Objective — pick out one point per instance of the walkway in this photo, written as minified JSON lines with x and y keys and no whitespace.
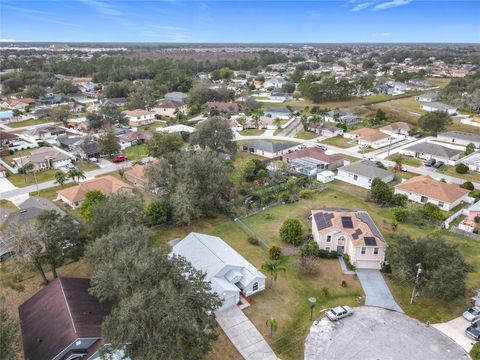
{"x":244,"y":335}
{"x":344,"y":267}
{"x":376,"y":290}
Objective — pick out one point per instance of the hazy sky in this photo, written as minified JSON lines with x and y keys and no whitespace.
{"x":240,"y":21}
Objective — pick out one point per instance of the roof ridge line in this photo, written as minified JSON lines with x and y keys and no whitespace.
{"x":68,"y":306}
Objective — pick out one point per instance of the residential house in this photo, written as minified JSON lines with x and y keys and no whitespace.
{"x":397,"y":128}
{"x":40,"y":112}
{"x":7,"y":138}
{"x":312,"y":160}
{"x":234,"y":124}
{"x":350,"y":232}
{"x":426,"y":150}
{"x":327,"y":130}
{"x":45,"y":132}
{"x":362,"y":173}
{"x":176,"y":96}
{"x":370,"y":137}
{"x":229,"y":273}
{"x":178,"y":128}
{"x":68,"y":142}
{"x":81,"y":105}
{"x":279,"y":95}
{"x":44,"y":158}
{"x":119,"y":101}
{"x":424,"y":189}
{"x":80,"y":123}
{"x":472,"y":161}
{"x":139,"y":117}
{"x":131,"y":138}
{"x":275,"y":83}
{"x":269,"y":149}
{"x":136,"y":175}
{"x":39,"y":203}
{"x":280,"y":112}
{"x":51,"y":100}
{"x":63,"y":321}
{"x":171,"y":108}
{"x":227,"y":107}
{"x":17,"y":104}
{"x":437,"y":106}
{"x":459,"y":138}
{"x":474,"y":211}
{"x":73,"y":196}
{"x":341,"y":116}
{"x":427,"y":97}
{"x":87,"y":148}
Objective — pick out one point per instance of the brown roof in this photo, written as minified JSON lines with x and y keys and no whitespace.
{"x":15,"y":102}
{"x":425,"y":185}
{"x":225,"y":106}
{"x":137,"y":112}
{"x":315,"y":153}
{"x":368,"y":134}
{"x":137,"y":171}
{"x":59,"y":314}
{"x":105,"y":184}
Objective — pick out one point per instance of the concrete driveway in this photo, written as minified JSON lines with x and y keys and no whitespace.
{"x":376,"y":290}
{"x":455,"y":330}
{"x":372,"y":333}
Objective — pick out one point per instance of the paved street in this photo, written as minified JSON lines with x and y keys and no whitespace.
{"x":376,"y":290}
{"x":455,"y":329}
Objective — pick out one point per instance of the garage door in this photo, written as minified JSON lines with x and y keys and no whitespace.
{"x":365,"y":264}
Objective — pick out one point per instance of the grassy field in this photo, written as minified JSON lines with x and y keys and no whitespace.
{"x":338,"y":141}
{"x":85,"y":165}
{"x":347,"y":104}
{"x":441,"y":82}
{"x":405,"y":109}
{"x":407,"y":160}
{"x":51,"y":193}
{"x":252,"y":132}
{"x":7,"y":205}
{"x":306,"y":135}
{"x":136,"y":152}
{"x":28,"y":123}
{"x":450,"y":170}
{"x":21,"y":180}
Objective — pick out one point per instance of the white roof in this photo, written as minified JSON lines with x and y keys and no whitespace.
{"x":176,"y":128}
{"x":475,"y":207}
{"x":326,"y":173}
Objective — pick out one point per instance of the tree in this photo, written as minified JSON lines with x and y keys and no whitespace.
{"x":141,"y":98}
{"x":8,"y":334}
{"x":75,"y":174}
{"x":65,"y":87}
{"x":92,"y":198}
{"x":163,"y":306}
{"x":226,"y":73}
{"x":274,"y":267}
{"x":163,"y":143}
{"x":401,"y":214}
{"x":158,"y":212}
{"x":215,"y":134}
{"x":109,"y":144}
{"x":275,"y":252}
{"x":297,"y":75}
{"x":432,"y":211}
{"x":62,"y":236}
{"x":398,"y":159}
{"x":470,"y":148}
{"x":434,"y":122}
{"x":380,"y":192}
{"x":272,"y":325}
{"x":107,"y":116}
{"x":60,"y":177}
{"x":291,"y":231}
{"x":34,"y":91}
{"x":60,"y":113}
{"x":461,"y":168}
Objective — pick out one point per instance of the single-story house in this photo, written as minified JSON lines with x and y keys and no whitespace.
{"x":275,"y":83}
{"x":139,"y":117}
{"x":459,"y":138}
{"x":63,"y":321}
{"x":176,"y":96}
{"x":350,"y":232}
{"x":73,"y":196}
{"x":472,"y":161}
{"x":327,"y":130}
{"x":426,"y":150}
{"x":87,"y":148}
{"x":119,"y":101}
{"x":170,"y":108}
{"x":136,"y":175}
{"x":280,"y":112}
{"x":280,"y":96}
{"x":44,"y":158}
{"x":437,"y":106}
{"x":40,"y":112}
{"x":269,"y":149}
{"x":234,"y":124}
{"x":51,"y":100}
{"x":68,"y":142}
{"x":369,"y":137}
{"x":81,"y":123}
{"x":325,"y":176}
{"x":341,"y":116}
{"x":130,"y":138}
{"x":427,"y":97}
{"x":264,"y":122}
{"x":424,"y":189}
{"x":178,"y":128}
{"x":17,"y":104}
{"x":228,"y":272}
{"x":397,"y":128}
{"x":228,"y":107}
{"x":7,"y":138}
{"x":312,"y":160}
{"x":474,"y":211}
{"x":362,"y":173}
{"x":45,"y":132}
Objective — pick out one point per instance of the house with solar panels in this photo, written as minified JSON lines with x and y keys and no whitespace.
{"x":350,"y":232}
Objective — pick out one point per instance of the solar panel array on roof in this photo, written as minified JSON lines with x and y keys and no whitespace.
{"x":370,"y":241}
{"x":347,"y":222}
{"x":356,"y":234}
{"x":368,"y":220}
{"x":323,"y":220}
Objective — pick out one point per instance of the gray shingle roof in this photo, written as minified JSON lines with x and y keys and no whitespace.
{"x":366,"y":168}
{"x":268,"y":146}
{"x":434,"y":150}
{"x":461,"y":135}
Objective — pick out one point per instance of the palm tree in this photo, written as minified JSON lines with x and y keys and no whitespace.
{"x":273,"y":325}
{"x":76,"y":173}
{"x":60,"y":178}
{"x":277,"y":122}
{"x":25,"y":169}
{"x":398,"y":159}
{"x":274,"y":267}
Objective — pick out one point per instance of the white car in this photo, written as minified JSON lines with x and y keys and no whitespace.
{"x":472,"y":313}
{"x":303,"y":146}
{"x":339,"y":312}
{"x":70,"y":166}
{"x":92,"y":159}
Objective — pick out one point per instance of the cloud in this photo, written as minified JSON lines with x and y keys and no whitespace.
{"x":7,"y":40}
{"x":103,"y":7}
{"x":361,"y":6}
{"x":391,"y":4}
{"x":167,"y":33}
{"x":382,"y":35}
{"x":38,"y":15}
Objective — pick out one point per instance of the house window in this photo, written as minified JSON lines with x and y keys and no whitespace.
{"x":423,"y":199}
{"x":355,"y":177}
{"x":327,"y":248}
{"x":375,"y":251}
{"x":329,"y":238}
{"x":255,"y":286}
{"x":364,"y":250}
{"x":440,"y":204}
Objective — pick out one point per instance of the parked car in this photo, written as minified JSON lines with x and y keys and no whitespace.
{"x":472,"y":314}
{"x":417,"y":136}
{"x":438,"y":164}
{"x":473,"y":331}
{"x":430,"y":162}
{"x":93,"y":159}
{"x":70,"y":166}
{"x":303,"y":146}
{"x":323,"y":147}
{"x":402,"y":169}
{"x":339,"y":312}
{"x":119,"y":158}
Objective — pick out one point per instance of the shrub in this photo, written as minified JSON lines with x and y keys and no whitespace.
{"x":309,"y":249}
{"x":461,"y":168}
{"x":467,"y":185}
{"x":432,"y":211}
{"x":306,"y":194}
{"x":253,"y":240}
{"x":475,"y":352}
{"x":400,"y":214}
{"x":291,"y":231}
{"x":325,"y":292}
{"x":327,"y":254}
{"x":308,"y":265}
{"x":386,"y":269}
{"x":399,"y":200}
{"x":275,"y":252}
{"x":158,"y":212}
{"x":477,"y":219}
{"x":346,"y":257}
{"x":475,"y":194}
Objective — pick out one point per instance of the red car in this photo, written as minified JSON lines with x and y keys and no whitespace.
{"x":119,"y":158}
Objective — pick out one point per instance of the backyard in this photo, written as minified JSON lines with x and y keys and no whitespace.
{"x":136,"y":152}
{"x":450,"y":170}
{"x":338,"y":141}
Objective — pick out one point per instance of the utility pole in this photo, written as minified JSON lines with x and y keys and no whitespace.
{"x":419,"y":271}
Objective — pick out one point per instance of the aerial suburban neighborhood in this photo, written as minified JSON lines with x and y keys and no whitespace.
{"x":167,"y":199}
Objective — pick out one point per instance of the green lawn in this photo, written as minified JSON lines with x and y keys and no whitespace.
{"x":306,"y":135}
{"x":152,"y":126}
{"x":252,"y":132}
{"x":9,"y":158}
{"x":85,"y":165}
{"x":7,"y":205}
{"x":136,"y":152}
{"x":21,"y":180}
{"x":28,"y":123}
{"x":51,"y":193}
{"x":450,"y":170}
{"x":407,"y":160}
{"x":338,"y":141}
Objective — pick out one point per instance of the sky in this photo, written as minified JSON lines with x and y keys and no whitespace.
{"x":251,"y":21}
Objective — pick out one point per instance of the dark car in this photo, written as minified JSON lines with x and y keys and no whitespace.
{"x":119,"y":158}
{"x":430,"y":162}
{"x":473,"y":331}
{"x":438,"y":164}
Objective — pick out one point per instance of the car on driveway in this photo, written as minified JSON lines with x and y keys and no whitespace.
{"x":473,"y":331}
{"x":119,"y":158}
{"x":70,"y":166}
{"x":438,"y":164}
{"x":472,"y":314}
{"x":430,"y":162}
{"x":339,"y":312}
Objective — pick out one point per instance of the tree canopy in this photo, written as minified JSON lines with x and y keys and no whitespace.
{"x":215,"y":134}
{"x":434,"y":122}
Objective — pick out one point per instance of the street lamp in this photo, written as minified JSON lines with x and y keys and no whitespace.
{"x":312,"y":302}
